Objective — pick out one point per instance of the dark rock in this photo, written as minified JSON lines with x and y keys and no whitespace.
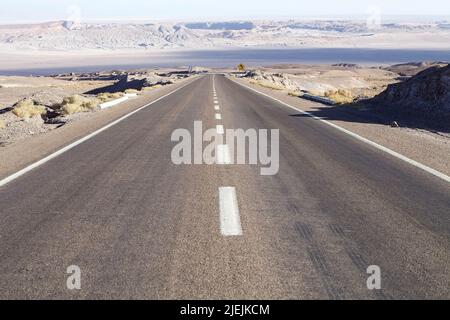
{"x":426,"y":94}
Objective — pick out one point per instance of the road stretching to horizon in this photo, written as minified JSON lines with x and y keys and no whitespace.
{"x":139,"y":226}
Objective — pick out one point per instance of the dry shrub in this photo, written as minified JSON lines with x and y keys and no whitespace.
{"x":77,"y":104}
{"x":131,"y":91}
{"x":295,"y":93}
{"x":2,"y":124}
{"x":27,"y":108}
{"x":152,"y":87}
{"x":105,"y":97}
{"x":340,"y":96}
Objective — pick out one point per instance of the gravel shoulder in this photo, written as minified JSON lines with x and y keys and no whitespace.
{"x":15,"y":156}
{"x":429,"y":148}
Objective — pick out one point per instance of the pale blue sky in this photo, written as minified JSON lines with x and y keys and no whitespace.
{"x":45,"y":10}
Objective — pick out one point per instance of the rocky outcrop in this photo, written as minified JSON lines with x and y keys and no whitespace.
{"x":426,"y":94}
{"x":413,"y":68}
{"x":280,"y":80}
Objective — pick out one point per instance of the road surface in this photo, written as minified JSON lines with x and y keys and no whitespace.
{"x":139,"y":226}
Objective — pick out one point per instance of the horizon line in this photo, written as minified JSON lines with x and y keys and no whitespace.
{"x":234,"y":19}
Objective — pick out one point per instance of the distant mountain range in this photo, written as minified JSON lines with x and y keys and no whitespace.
{"x":68,"y":35}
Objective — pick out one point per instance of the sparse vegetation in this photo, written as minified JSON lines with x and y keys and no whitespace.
{"x":2,"y":124}
{"x":77,"y":104}
{"x":132,"y":91}
{"x":295,"y":93}
{"x":27,"y":108}
{"x":340,"y":96}
{"x":152,"y":87}
{"x":105,"y":97}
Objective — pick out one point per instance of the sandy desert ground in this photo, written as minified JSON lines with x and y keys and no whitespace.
{"x":21,"y":98}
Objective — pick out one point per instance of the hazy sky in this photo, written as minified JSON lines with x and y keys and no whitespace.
{"x":88,"y":10}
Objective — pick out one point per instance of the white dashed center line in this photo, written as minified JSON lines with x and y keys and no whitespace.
{"x":223,"y":154}
{"x":220,"y":129}
{"x":230,"y":221}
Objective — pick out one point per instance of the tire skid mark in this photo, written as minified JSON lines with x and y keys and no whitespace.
{"x":304,"y":230}
{"x":360,"y":261}
{"x":293,"y":208}
{"x":357,"y":259}
{"x":337,"y":230}
{"x":320,"y":264}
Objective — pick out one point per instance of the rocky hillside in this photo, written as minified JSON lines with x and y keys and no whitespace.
{"x":426,"y":94}
{"x":412,"y":68}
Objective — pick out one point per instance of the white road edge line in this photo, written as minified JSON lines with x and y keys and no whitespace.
{"x":358,"y":137}
{"x":220,"y":129}
{"x":223,"y":154}
{"x":80,"y":141}
{"x":113,"y":103}
{"x":218,"y":116}
{"x":230,"y":221}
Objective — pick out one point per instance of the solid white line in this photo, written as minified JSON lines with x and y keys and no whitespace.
{"x":80,"y":141}
{"x":223,"y":154}
{"x":216,"y":107}
{"x":358,"y":137}
{"x":230,"y":221}
{"x":113,"y":103}
{"x":218,"y":116}
{"x":220,"y":129}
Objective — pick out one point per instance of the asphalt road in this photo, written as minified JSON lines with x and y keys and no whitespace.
{"x":139,"y":226}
